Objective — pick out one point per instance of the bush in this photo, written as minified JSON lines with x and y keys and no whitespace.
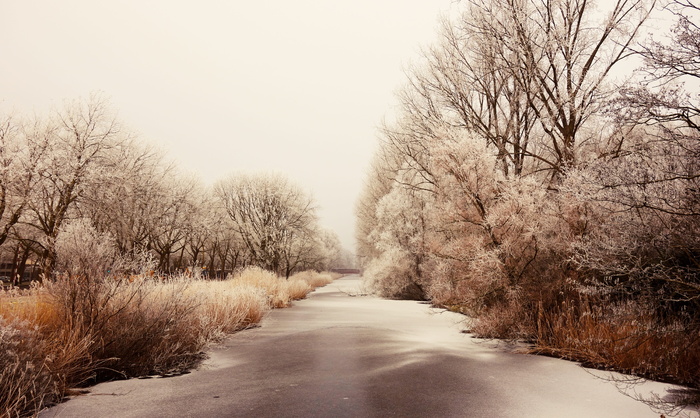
{"x":393,"y":275}
{"x":282,"y":291}
{"x":600,"y":265}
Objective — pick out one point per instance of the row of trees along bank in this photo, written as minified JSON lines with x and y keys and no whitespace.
{"x":80,"y":164}
{"x":532,"y":182}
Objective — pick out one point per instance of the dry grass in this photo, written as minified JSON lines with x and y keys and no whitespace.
{"x":315,"y":279}
{"x":298,"y":289}
{"x":225,"y":307}
{"x":75,"y":331}
{"x":504,"y":320}
{"x":25,"y":380}
{"x":623,"y":337}
{"x":281,"y":292}
{"x":274,"y":287}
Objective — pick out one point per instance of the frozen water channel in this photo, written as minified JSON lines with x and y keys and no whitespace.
{"x":340,"y":354}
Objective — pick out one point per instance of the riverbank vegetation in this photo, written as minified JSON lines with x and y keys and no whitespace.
{"x":81,"y":329}
{"x":533,"y":182}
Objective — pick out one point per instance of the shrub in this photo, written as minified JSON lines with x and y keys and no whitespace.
{"x":393,"y":275}
{"x":280,"y":291}
{"x":298,"y":288}
{"x":149,"y":328}
{"x":53,"y":340}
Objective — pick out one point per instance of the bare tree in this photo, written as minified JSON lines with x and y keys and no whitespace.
{"x":123,"y":202}
{"x":21,"y":148}
{"x":525,"y":75}
{"x":200,"y":230}
{"x":175,"y":212}
{"x":469,"y":82}
{"x":649,"y":187}
{"x":273,"y":217}
{"x":568,"y":53}
{"x":224,"y":245}
{"x":79,"y":138}
{"x":670,"y":66}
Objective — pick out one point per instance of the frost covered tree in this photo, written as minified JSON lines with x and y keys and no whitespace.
{"x":519,"y":186}
{"x":123,"y":203}
{"x":78,"y":139}
{"x":21,"y":147}
{"x":79,"y":165}
{"x":647,"y":186}
{"x":200,"y":231}
{"x":176,"y":211}
{"x":668,"y":91}
{"x":330,"y":250}
{"x":468,"y":81}
{"x":225,"y":246}
{"x":378,"y":182}
{"x":274,"y":218}
{"x":399,"y":236}
{"x":526,"y":76}
{"x":145,"y":204}
{"x":508,"y":102}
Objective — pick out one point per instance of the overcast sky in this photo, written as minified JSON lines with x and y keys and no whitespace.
{"x":297,"y":87}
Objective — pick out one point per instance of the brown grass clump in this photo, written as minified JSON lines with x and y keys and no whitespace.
{"x":274,"y":287}
{"x":252,"y":305}
{"x":313,"y":278}
{"x":149,"y":328}
{"x":225,"y":307}
{"x":281,"y":292}
{"x":622,"y":336}
{"x":43,"y":358}
{"x":504,"y":320}
{"x":25,"y":379}
{"x":298,"y":289}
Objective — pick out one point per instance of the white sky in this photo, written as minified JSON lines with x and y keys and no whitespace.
{"x":298,"y":87}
